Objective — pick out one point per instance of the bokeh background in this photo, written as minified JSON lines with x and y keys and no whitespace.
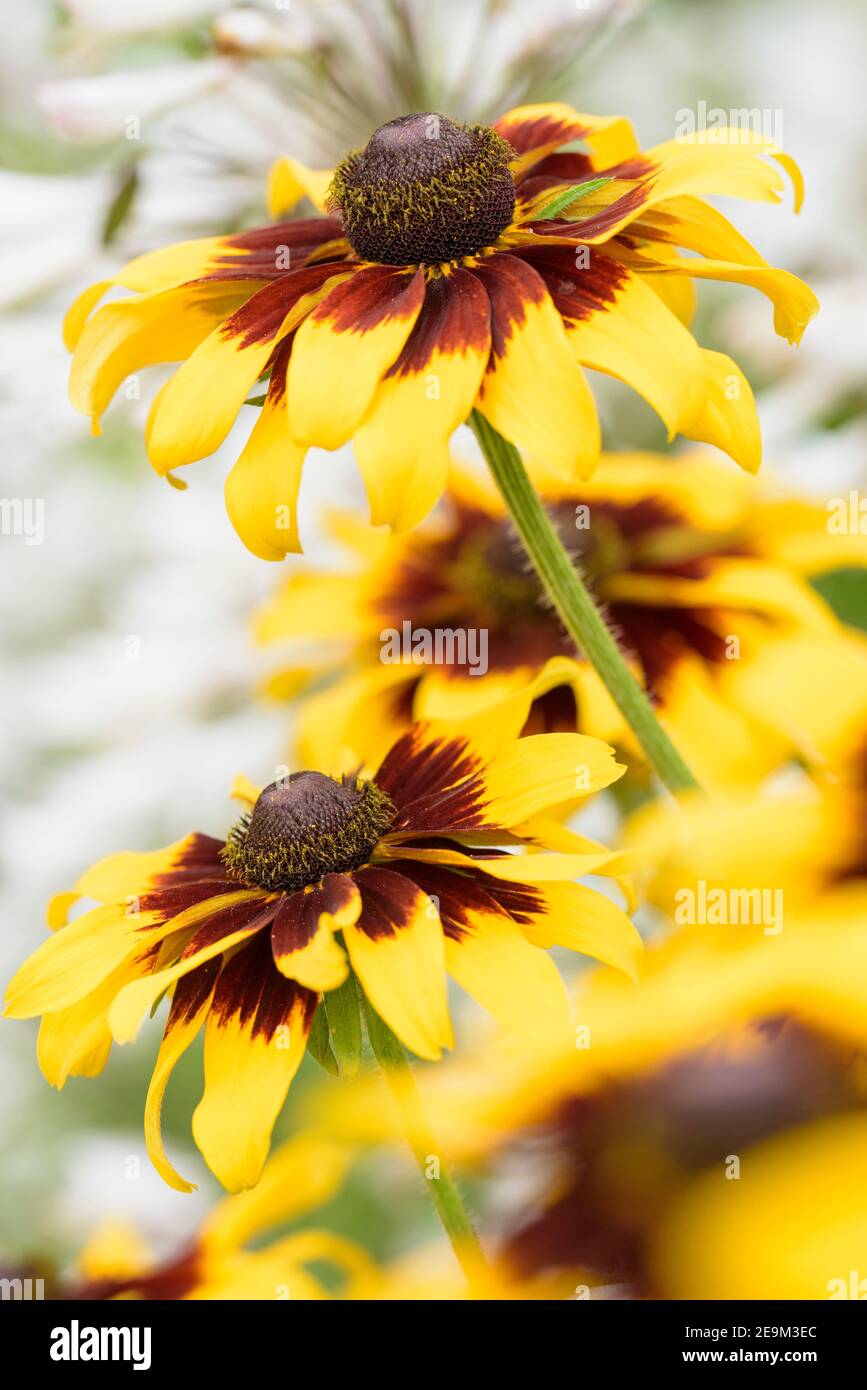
{"x":130,"y":676}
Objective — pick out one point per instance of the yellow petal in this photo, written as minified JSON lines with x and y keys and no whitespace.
{"x":198,"y":407}
{"x":190,"y":1004}
{"x":262,"y":488}
{"x":580,"y":919}
{"x":302,"y":1174}
{"x":728,"y":418}
{"x":397,"y":951}
{"x":255,"y":1038}
{"x":130,"y":1007}
{"x":402,"y":445}
{"x":534,"y":392}
{"x":343,"y":349}
{"x":544,"y":770}
{"x":289,"y":181}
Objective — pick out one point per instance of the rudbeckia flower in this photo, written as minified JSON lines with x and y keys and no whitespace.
{"x":410,"y":866}
{"x":698,"y":572}
{"x":670,"y":1155}
{"x":455,"y":267}
{"x":218,"y":1263}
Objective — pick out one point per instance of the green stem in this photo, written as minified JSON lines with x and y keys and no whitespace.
{"x":576,"y":608}
{"x":444,"y":1193}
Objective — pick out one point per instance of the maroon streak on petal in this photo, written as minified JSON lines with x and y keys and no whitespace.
{"x":200,"y":858}
{"x":532,"y":132}
{"x":297,"y":918}
{"x":375,"y":295}
{"x":177,"y":897}
{"x":455,"y":317}
{"x":256,"y":914}
{"x":192,"y":992}
{"x":251,"y":992}
{"x":520,"y":900}
{"x":260,"y":318}
{"x":556,"y":168}
{"x":511,"y":285}
{"x":457,"y":894}
{"x":389,"y":902}
{"x":578,"y":292}
{"x":420,"y":766}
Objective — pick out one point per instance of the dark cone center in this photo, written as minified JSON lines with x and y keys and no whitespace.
{"x":304,"y":827}
{"x":425,"y":191}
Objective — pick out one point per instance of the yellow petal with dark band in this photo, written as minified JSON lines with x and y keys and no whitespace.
{"x":489,"y":957}
{"x":402,"y":445}
{"x":397,"y":952}
{"x":534,"y":392}
{"x":343,"y":349}
{"x":262,"y":488}
{"x":616,"y":325}
{"x":123,"y":337}
{"x":132,"y":1004}
{"x":199,"y":405}
{"x":535,"y":131}
{"x":255,"y":1039}
{"x":190,"y":1004}
{"x":302,"y":934}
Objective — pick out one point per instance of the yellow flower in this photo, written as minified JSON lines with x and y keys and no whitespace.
{"x":796,"y":844}
{"x":457,"y":266}
{"x":700,"y":574}
{"x":218,"y":1263}
{"x":704,"y":1139}
{"x":411,"y":866}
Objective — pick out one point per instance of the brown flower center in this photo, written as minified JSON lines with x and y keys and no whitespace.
{"x":304,"y":827}
{"x":424,"y":190}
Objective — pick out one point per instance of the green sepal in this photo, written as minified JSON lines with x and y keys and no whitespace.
{"x":343,"y":1007}
{"x":319,"y":1043}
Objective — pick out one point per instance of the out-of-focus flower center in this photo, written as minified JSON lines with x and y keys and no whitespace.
{"x":424,"y":190}
{"x":305,"y":826}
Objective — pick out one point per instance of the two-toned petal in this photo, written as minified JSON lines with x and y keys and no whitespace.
{"x":534,"y":391}
{"x":537,"y":130}
{"x":402,"y":445}
{"x":302,"y":933}
{"x":190,"y":1003}
{"x":199,"y":405}
{"x":397,"y":951}
{"x":255,"y":1037}
{"x":262,"y":488}
{"x":350,"y":340}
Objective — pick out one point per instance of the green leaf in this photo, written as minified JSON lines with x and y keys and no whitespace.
{"x":318,"y":1043}
{"x":567,"y":196}
{"x":257,"y":400}
{"x":846,"y":592}
{"x":120,"y":207}
{"x":343,"y":1007}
